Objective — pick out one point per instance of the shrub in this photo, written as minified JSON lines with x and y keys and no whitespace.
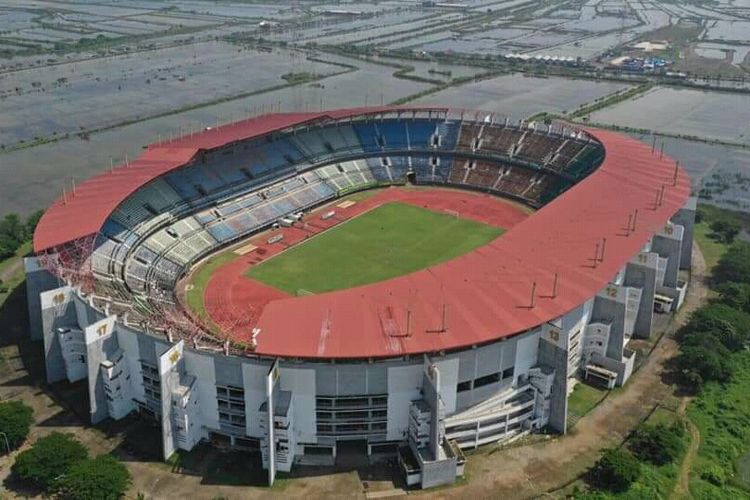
{"x":708,"y":363}
{"x":725,"y":229}
{"x":15,"y":421}
{"x":616,"y":470}
{"x":659,"y":444}
{"x":103,"y":477}
{"x":735,"y":295}
{"x":734,"y":265}
{"x":49,"y":458}
{"x":728,"y":324}
{"x":714,"y":474}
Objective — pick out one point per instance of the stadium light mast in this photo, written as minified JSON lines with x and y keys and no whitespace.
{"x":596,"y":255}
{"x":555,"y":283}
{"x":408,"y":322}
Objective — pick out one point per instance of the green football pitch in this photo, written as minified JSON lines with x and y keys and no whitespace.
{"x":388,"y":241}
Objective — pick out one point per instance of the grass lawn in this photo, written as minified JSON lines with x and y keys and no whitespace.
{"x":388,"y":241}
{"x":663,"y":416}
{"x":10,"y":280}
{"x":722,"y":414}
{"x":711,"y":247}
{"x":582,"y":400}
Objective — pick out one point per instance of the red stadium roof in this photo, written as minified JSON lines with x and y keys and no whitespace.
{"x":487,"y":293}
{"x":83,"y":212}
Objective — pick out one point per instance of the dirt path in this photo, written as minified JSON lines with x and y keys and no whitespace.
{"x":533,"y":470}
{"x":11,"y":270}
{"x":682,"y":487}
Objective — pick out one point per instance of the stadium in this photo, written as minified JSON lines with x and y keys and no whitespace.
{"x":404,"y":281}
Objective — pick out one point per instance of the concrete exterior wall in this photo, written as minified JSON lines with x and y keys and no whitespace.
{"x":171,"y":364}
{"x":556,"y":358}
{"x":38,"y":280}
{"x":668,"y":244}
{"x":685,"y":217}
{"x":100,"y":344}
{"x":641,"y":273}
{"x":438,"y":473}
{"x":609,"y":307}
{"x":301,"y":382}
{"x":203,"y":369}
{"x":404,"y":386}
{"x":57,"y":311}
{"x":127,"y":339}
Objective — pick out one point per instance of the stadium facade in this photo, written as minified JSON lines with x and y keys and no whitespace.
{"x":555,"y":299}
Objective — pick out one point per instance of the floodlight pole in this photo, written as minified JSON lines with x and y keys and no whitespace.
{"x":596,"y":255}
{"x":554,"y":285}
{"x":445,"y":317}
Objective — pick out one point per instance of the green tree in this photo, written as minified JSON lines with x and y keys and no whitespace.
{"x":725,"y":229}
{"x":15,"y":421}
{"x":31,"y":223}
{"x":616,"y":470}
{"x":709,"y":364}
{"x":659,"y":444}
{"x":735,"y":295}
{"x":48,"y":459}
{"x":734,"y":265}
{"x":12,"y":228}
{"x":731,"y":326}
{"x":100,"y":478}
{"x":8,"y":246}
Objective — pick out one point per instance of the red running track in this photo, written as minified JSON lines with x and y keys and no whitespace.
{"x":234,"y":302}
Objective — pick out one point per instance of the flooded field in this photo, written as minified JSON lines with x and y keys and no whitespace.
{"x":518,"y":96}
{"x":713,"y":115}
{"x":723,"y":173}
{"x":33,"y":177}
{"x":76,"y":73}
{"x":74,"y":98}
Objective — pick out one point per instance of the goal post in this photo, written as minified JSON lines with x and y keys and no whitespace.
{"x":453,"y":213}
